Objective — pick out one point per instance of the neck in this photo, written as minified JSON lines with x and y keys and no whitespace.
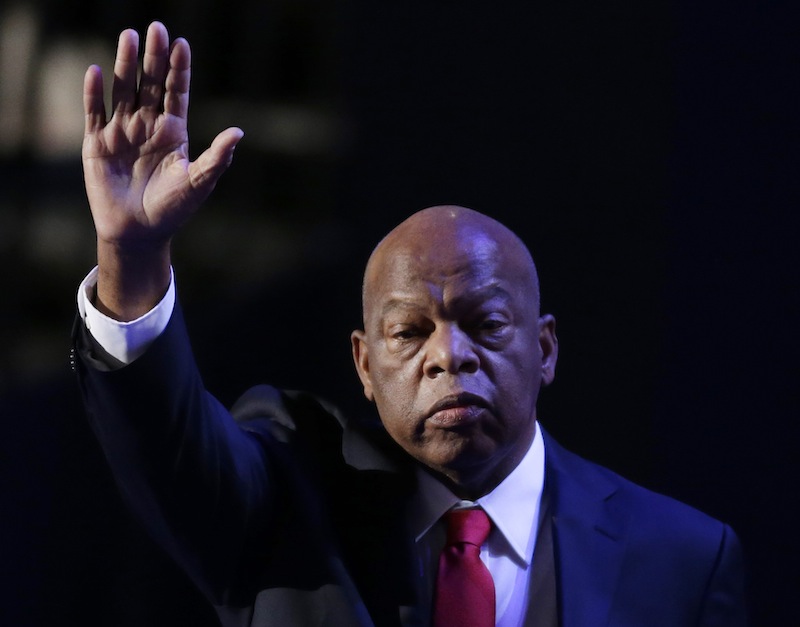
{"x":472,"y":482}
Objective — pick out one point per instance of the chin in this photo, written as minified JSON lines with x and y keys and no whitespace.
{"x":462,"y":462}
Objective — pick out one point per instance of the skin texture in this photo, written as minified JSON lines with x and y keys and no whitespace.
{"x":140,"y":182}
{"x":453,"y":350}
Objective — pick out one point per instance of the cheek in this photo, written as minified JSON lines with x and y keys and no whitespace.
{"x":400,"y":426}
{"x":394,"y":399}
{"x":526,"y":358}
{"x":518,"y":378}
{"x":395,"y":379}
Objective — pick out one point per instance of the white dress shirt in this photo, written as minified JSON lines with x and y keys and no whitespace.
{"x":513,"y":506}
{"x":124,"y":340}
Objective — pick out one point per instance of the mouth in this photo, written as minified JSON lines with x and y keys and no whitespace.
{"x":457,"y":410}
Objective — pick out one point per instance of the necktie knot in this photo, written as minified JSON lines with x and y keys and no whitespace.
{"x":470,"y":526}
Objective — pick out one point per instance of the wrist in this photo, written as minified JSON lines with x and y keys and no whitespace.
{"x":132,"y":279}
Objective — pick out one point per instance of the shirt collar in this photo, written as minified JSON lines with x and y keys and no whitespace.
{"x":513,"y":505}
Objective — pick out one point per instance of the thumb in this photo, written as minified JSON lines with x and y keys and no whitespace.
{"x":204,"y":172}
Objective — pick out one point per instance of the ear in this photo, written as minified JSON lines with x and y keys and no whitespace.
{"x":358,"y":340}
{"x":548,"y":345}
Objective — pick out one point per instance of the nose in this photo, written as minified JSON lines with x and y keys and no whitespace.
{"x":449,"y":350}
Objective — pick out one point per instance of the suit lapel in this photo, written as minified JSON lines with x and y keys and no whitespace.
{"x":588,"y":529}
{"x":588,"y":536}
{"x":542,"y":596}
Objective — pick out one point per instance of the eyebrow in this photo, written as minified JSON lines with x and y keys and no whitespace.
{"x":397,"y":303}
{"x":485,"y":294}
{"x":482,"y":295}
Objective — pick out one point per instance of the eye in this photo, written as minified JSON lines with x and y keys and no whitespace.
{"x":492,"y":330}
{"x":491,"y":324}
{"x":405,"y":334}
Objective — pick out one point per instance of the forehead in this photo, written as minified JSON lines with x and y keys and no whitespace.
{"x":457,"y":265}
{"x":441,"y":259}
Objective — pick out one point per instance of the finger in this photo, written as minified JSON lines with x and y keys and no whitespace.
{"x":93,"y":106}
{"x":123,"y":92}
{"x":209,"y":166}
{"x":154,"y":66}
{"x":176,"y":99}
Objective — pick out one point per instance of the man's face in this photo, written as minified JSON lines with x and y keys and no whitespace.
{"x":454,"y":353}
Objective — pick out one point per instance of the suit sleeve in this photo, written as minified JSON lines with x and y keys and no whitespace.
{"x":724,"y":601}
{"x":202,"y":486}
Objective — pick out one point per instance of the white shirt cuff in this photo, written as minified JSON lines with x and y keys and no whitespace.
{"x":125,"y":341}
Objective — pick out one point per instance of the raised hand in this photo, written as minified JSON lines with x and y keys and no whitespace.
{"x":140,"y":182}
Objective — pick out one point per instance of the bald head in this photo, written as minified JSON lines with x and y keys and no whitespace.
{"x":454,"y":350}
{"x":427,"y":235}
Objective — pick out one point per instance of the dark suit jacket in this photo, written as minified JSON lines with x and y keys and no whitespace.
{"x":289,"y":515}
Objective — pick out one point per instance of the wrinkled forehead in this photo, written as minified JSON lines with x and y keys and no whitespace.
{"x":459,"y":256}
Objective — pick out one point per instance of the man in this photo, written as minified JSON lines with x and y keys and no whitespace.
{"x":292,"y":515}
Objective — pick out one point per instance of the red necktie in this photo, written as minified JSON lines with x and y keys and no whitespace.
{"x":464,"y":587}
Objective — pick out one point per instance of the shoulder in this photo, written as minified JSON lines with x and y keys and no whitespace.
{"x":645,"y":514}
{"x":311,"y":425}
{"x":299,"y":420}
{"x":666,"y":558}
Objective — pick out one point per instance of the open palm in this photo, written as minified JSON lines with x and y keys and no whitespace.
{"x":140,"y":182}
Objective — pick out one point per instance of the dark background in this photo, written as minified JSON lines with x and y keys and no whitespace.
{"x":646,"y":152}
